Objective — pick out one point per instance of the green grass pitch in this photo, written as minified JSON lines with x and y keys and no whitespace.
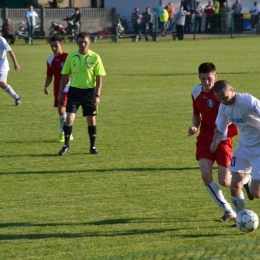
{"x":143,"y":197}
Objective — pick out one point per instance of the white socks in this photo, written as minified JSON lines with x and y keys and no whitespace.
{"x":217,"y":195}
{"x":9,"y":90}
{"x":239,"y":202}
{"x":62,"y":122}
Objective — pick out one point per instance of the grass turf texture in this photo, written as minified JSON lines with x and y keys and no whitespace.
{"x":143,"y":197}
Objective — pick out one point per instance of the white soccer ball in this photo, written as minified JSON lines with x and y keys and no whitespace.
{"x":247,"y":220}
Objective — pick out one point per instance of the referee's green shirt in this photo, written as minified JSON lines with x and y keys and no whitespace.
{"x":83,"y":69}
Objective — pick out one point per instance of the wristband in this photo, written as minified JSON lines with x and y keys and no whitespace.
{"x":97,"y":95}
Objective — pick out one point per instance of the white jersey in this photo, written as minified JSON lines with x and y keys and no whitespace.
{"x":245,"y":114}
{"x":4,"y":48}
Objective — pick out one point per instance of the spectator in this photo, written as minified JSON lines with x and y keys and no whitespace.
{"x":31,"y":17}
{"x":164,"y":20}
{"x":224,"y":10}
{"x":170,"y":23}
{"x":158,"y":10}
{"x":147,"y":22}
{"x":136,"y":20}
{"x":7,"y":31}
{"x":237,"y":8}
{"x":209,"y":12}
{"x":76,"y":20}
{"x":198,"y":17}
{"x":187,"y":26}
{"x":180,"y":22}
{"x":216,"y":19}
{"x":254,"y":11}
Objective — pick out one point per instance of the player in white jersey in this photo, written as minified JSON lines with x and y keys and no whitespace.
{"x":243,"y":110}
{"x":4,"y":68}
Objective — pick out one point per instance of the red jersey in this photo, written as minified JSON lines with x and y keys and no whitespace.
{"x":54,"y":67}
{"x":209,"y":11}
{"x":206,"y":104}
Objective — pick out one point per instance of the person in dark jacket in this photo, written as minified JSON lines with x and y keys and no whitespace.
{"x":7,"y":31}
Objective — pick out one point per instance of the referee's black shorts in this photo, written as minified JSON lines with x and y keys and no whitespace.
{"x":81,"y":97}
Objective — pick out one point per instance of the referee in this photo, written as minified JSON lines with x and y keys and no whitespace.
{"x":86,"y":70}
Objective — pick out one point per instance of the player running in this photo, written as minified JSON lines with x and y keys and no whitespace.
{"x":243,"y":110}
{"x":205,"y":110}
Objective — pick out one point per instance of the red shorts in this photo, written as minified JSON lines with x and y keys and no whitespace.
{"x":222,"y":155}
{"x":65,"y":99}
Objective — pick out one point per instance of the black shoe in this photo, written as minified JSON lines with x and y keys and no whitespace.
{"x":65,"y":150}
{"x":228,"y":217}
{"x":18,"y":101}
{"x":249,"y":195}
{"x":93,"y":150}
{"x":233,"y":226}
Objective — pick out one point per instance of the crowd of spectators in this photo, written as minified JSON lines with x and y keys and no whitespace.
{"x":188,"y":19}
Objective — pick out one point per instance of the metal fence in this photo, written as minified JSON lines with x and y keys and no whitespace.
{"x":92,"y":19}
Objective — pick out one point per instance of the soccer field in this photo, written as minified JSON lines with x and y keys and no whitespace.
{"x":142,"y":197}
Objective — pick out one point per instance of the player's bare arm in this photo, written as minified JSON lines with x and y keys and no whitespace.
{"x":196,"y":123}
{"x":98,"y":90}
{"x":47,"y":84}
{"x":218,"y":136}
{"x":63,"y":82}
{"x":13,"y":57}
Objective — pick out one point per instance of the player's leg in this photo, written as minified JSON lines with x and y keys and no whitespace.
{"x":90,"y":111}
{"x":237,"y":195}
{"x":8,"y":89}
{"x":213,"y":189}
{"x":71,"y":109}
{"x":92,"y":132}
{"x":254,"y":186}
{"x":240,"y":168}
{"x":62,"y":120}
{"x":68,"y":126}
{"x":223,"y":158}
{"x":224,"y":176}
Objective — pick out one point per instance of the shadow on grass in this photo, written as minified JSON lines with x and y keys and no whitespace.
{"x":102,"y":170}
{"x":177,"y":74}
{"x":101,"y":233}
{"x":78,"y":235}
{"x":95,"y":223}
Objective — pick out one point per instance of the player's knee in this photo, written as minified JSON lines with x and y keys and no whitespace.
{"x":224,"y":182}
{"x":207,"y":178}
{"x":235,"y":190}
{"x":255,"y":194}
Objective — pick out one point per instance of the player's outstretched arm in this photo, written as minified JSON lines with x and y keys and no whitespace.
{"x":218,"y":136}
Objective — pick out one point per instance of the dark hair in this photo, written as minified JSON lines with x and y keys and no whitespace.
{"x":221,"y":85}
{"x":56,"y":38}
{"x":207,"y":67}
{"x":83,"y":35}
{"x":76,"y":9}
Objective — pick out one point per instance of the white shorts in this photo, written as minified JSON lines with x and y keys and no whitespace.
{"x":3,"y":76}
{"x":243,"y":162}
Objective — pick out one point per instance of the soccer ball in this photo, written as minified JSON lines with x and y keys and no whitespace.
{"x":247,"y":220}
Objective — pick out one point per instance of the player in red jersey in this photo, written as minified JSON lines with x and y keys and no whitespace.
{"x":205,"y":110}
{"x":55,"y":63}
